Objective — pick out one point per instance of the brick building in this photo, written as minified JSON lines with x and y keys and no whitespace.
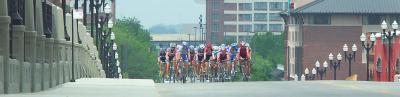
{"x":321,"y":27}
{"x":242,"y":18}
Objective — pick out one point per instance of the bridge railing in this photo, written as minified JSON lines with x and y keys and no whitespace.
{"x":36,"y":47}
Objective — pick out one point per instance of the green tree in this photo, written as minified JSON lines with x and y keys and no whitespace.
{"x":133,"y":41}
{"x":268,"y":51}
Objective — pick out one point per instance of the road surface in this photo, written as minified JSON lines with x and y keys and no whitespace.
{"x":101,"y":87}
{"x":282,"y":89}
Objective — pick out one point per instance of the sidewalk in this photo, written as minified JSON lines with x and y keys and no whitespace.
{"x":99,"y":87}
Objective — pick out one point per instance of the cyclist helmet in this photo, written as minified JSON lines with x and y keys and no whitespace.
{"x":242,"y":43}
{"x":184,"y":43}
{"x":172,"y":44}
{"x":222,"y":46}
{"x":201,"y":46}
{"x":191,"y":47}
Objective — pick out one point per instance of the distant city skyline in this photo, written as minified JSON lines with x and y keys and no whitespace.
{"x":165,"y":12}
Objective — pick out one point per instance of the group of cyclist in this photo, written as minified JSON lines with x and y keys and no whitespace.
{"x":203,"y":62}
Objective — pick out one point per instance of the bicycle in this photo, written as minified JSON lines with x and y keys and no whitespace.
{"x":245,"y":67}
{"x":163,"y":67}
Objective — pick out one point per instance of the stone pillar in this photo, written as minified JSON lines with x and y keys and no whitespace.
{"x":57,"y":32}
{"x":15,"y":74}
{"x":30,"y":47}
{"x":49,"y":59}
{"x":4,"y":41}
{"x":38,"y":79}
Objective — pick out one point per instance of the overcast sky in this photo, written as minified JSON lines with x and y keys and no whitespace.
{"x":167,"y":12}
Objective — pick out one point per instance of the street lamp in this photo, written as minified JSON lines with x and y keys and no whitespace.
{"x":308,"y":75}
{"x":350,"y":56}
{"x":390,"y":35}
{"x":367,"y":47}
{"x":321,"y":71}
{"x":112,"y":36}
{"x":334,"y":63}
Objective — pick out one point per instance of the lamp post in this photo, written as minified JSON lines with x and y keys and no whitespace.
{"x":350,"y":56}
{"x":115,"y":55}
{"x":321,"y":71}
{"x":367,"y":48}
{"x":335,"y":63}
{"x":310,"y":76}
{"x":389,"y":35}
{"x":195,"y":35}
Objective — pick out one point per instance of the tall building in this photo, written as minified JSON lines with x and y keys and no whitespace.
{"x":243,"y":18}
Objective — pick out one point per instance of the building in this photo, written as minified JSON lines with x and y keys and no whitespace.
{"x":243,"y":18}
{"x":320,"y":27}
{"x":163,"y":40}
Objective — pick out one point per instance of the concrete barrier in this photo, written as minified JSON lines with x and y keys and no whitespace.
{"x":37,"y":78}
{"x":26,"y":77}
{"x":66,"y":72}
{"x":1,"y":75}
{"x":61,"y":72}
{"x":53,"y":75}
{"x":46,"y":76}
{"x":13,"y":77}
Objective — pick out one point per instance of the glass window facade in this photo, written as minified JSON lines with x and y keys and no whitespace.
{"x":276,"y":6}
{"x":230,"y":28}
{"x":275,"y":27}
{"x":245,"y":28}
{"x":260,"y":27}
{"x":245,"y":6}
{"x":260,"y":17}
{"x":320,"y":20}
{"x":260,"y":5}
{"x":215,"y":28}
{"x":275,"y":17}
{"x":230,"y":6}
{"x":245,"y":17}
{"x":230,"y":17}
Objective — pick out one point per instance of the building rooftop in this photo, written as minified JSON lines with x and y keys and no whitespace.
{"x":351,"y":7}
{"x":173,"y":37}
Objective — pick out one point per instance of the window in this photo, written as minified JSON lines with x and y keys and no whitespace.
{"x":230,"y":28}
{"x":245,"y":17}
{"x":215,"y":28}
{"x":320,"y":19}
{"x":372,"y":20}
{"x":274,"y":17}
{"x":216,"y":5}
{"x":245,"y":6}
{"x":275,"y":27}
{"x":230,"y":6}
{"x":260,"y":28}
{"x":260,"y":5}
{"x":245,"y":28}
{"x":285,"y":6}
{"x":276,"y":6}
{"x":260,"y":16}
{"x":215,"y":17}
{"x":230,"y":17}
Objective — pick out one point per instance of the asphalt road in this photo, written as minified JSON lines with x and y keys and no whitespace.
{"x":102,"y":87}
{"x":281,"y":89}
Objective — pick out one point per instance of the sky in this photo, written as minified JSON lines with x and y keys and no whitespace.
{"x":166,"y":12}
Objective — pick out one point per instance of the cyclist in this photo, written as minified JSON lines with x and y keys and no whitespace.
{"x":222,"y":59}
{"x":162,"y":57}
{"x":171,"y":53}
{"x":244,"y":56}
{"x":208,"y":54}
{"x":233,"y":50}
{"x":200,"y":57}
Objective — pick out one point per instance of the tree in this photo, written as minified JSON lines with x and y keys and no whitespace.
{"x":134,"y":48}
{"x":268,"y":51}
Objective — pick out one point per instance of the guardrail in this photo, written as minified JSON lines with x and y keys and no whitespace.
{"x":34,"y":52}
